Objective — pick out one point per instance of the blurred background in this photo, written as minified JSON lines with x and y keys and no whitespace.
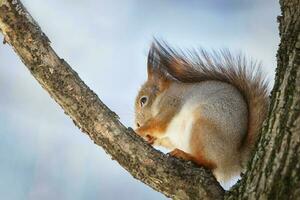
{"x":42,"y":154}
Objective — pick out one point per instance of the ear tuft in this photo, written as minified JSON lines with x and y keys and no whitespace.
{"x":157,"y":72}
{"x":165,"y":61}
{"x":155,"y":67}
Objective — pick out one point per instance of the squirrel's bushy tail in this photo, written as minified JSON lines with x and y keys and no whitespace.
{"x":199,"y":65}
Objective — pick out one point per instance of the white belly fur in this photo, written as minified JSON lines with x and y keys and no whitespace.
{"x":179,"y":129}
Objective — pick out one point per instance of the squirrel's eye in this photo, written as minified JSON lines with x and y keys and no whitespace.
{"x":143,"y":101}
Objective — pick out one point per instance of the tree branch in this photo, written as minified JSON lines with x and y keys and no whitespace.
{"x":101,"y":124}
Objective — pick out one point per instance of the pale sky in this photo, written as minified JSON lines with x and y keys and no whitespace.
{"x":42,"y":154}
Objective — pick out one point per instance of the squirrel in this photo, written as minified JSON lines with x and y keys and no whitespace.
{"x":207,"y":108}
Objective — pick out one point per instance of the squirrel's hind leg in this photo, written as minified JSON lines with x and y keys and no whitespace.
{"x":189,"y":157}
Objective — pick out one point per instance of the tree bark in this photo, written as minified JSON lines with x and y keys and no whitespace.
{"x":273,"y":172}
{"x":154,"y":168}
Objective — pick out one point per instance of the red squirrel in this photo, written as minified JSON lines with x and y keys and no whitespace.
{"x":205,"y":107}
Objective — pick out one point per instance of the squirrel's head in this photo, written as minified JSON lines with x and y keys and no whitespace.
{"x":158,"y":81}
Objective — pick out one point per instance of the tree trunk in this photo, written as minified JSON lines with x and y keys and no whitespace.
{"x":274,"y":171}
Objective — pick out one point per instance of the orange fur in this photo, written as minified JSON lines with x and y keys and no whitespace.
{"x":201,"y":128}
{"x":156,"y":126}
{"x":198,"y":159}
{"x":152,"y":126}
{"x":164,"y":84}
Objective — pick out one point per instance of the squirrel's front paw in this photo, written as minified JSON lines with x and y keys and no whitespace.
{"x":181,"y":154}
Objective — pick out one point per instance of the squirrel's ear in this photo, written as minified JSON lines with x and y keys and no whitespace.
{"x":156,"y":71}
{"x":154,"y":67}
{"x":163,"y":61}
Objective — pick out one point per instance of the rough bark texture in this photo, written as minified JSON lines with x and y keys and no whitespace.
{"x":274,"y":172}
{"x":102,"y":125}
